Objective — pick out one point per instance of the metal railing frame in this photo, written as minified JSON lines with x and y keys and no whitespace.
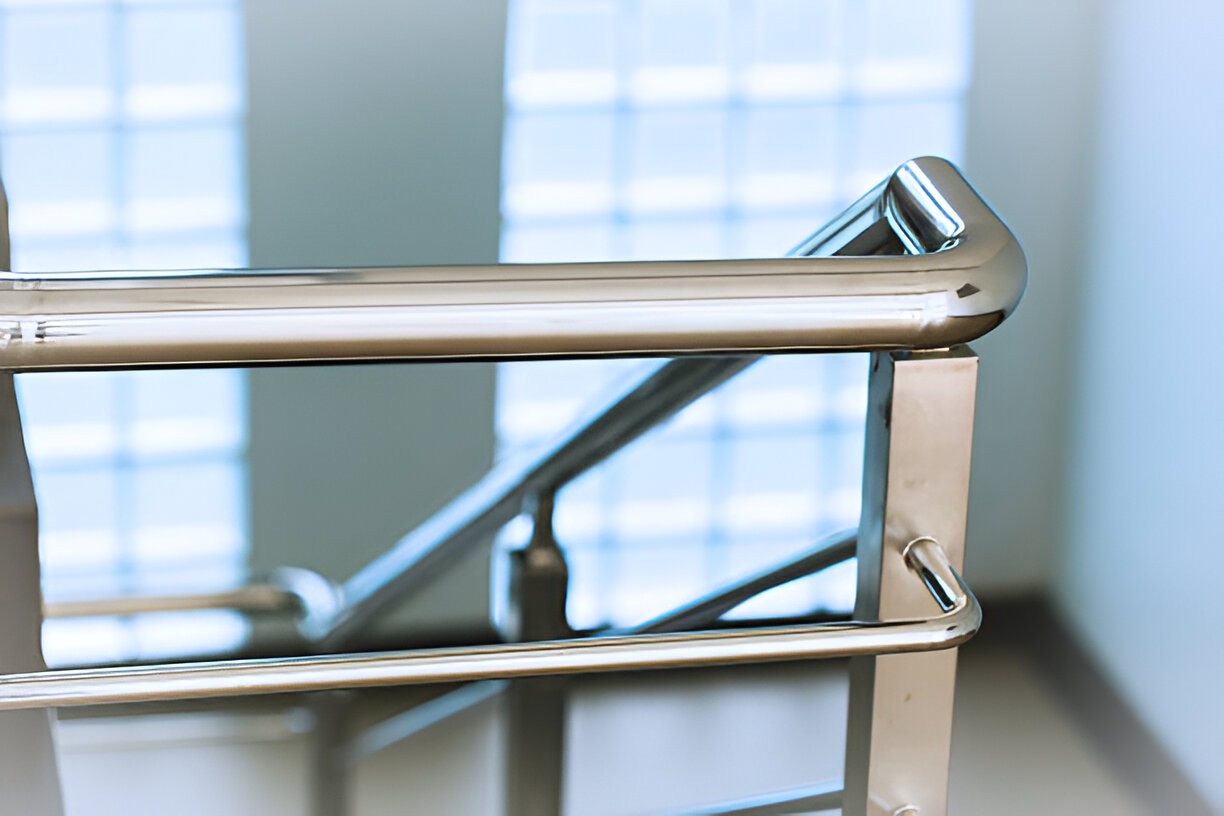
{"x":913,"y":270}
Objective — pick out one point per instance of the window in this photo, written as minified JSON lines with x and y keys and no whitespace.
{"x":665,"y":129}
{"x":121,"y":148}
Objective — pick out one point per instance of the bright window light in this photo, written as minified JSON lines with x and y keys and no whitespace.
{"x":711,"y":129}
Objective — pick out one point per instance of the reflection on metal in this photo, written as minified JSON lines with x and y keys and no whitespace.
{"x":832,"y":550}
{"x":622,"y":653}
{"x":967,"y":279}
{"x":795,"y":800}
{"x":915,"y":484}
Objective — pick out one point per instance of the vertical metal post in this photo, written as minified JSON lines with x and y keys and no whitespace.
{"x":535,"y":708}
{"x":915,"y":483}
{"x":329,"y":772}
{"x":29,"y":773}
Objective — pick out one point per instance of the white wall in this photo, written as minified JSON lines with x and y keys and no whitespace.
{"x":1029,"y":133}
{"x":1146,"y":451}
{"x":360,"y":155}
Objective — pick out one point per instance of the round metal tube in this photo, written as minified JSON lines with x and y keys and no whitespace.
{"x":967,"y":276}
{"x":635,"y":652}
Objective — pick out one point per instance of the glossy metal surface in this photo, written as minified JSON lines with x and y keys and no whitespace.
{"x":915,"y":484}
{"x":967,"y":278}
{"x":626,"y":653}
{"x":256,"y":598}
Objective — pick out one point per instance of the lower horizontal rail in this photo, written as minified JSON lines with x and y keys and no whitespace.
{"x":957,"y":623}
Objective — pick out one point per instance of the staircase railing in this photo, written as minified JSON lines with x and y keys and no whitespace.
{"x":911,"y":272}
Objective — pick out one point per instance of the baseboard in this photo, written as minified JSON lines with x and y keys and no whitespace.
{"x":1031,"y":629}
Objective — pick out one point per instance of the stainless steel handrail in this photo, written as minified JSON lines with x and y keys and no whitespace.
{"x":957,"y":623}
{"x":302,"y":592}
{"x":253,"y":598}
{"x":968,"y":276}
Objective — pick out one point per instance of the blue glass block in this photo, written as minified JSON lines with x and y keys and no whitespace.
{"x":186,"y":412}
{"x":657,"y":467}
{"x":889,"y":133}
{"x":183,"y":62}
{"x":914,"y":47}
{"x":80,"y":641}
{"x":57,"y":66}
{"x":653,"y":580}
{"x":188,"y":513}
{"x":840,"y":478}
{"x":794,"y":49}
{"x":680,"y":51}
{"x":202,"y":576}
{"x":557,"y":243}
{"x":67,"y":585}
{"x":581,"y":516}
{"x":772,"y":236}
{"x":665,"y":240}
{"x":70,"y":254}
{"x":678,"y":162}
{"x":67,"y":397}
{"x":209,"y":250}
{"x":770,"y":485}
{"x":580,"y":381}
{"x":790,"y":158}
{"x":200,"y":632}
{"x":185,"y":179}
{"x":558,"y":165}
{"x":80,"y":523}
{"x":561,"y":53}
{"x":59,"y":184}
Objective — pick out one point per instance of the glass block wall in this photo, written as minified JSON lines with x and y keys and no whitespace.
{"x":121,"y":148}
{"x":656,"y":129}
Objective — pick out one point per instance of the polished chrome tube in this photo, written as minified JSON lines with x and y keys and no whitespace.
{"x":626,"y":653}
{"x":295,"y":590}
{"x":967,"y":276}
{"x":833,"y":549}
{"x":613,"y":422}
{"x":256,"y":598}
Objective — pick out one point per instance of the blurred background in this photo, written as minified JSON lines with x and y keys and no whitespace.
{"x":164,"y":134}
